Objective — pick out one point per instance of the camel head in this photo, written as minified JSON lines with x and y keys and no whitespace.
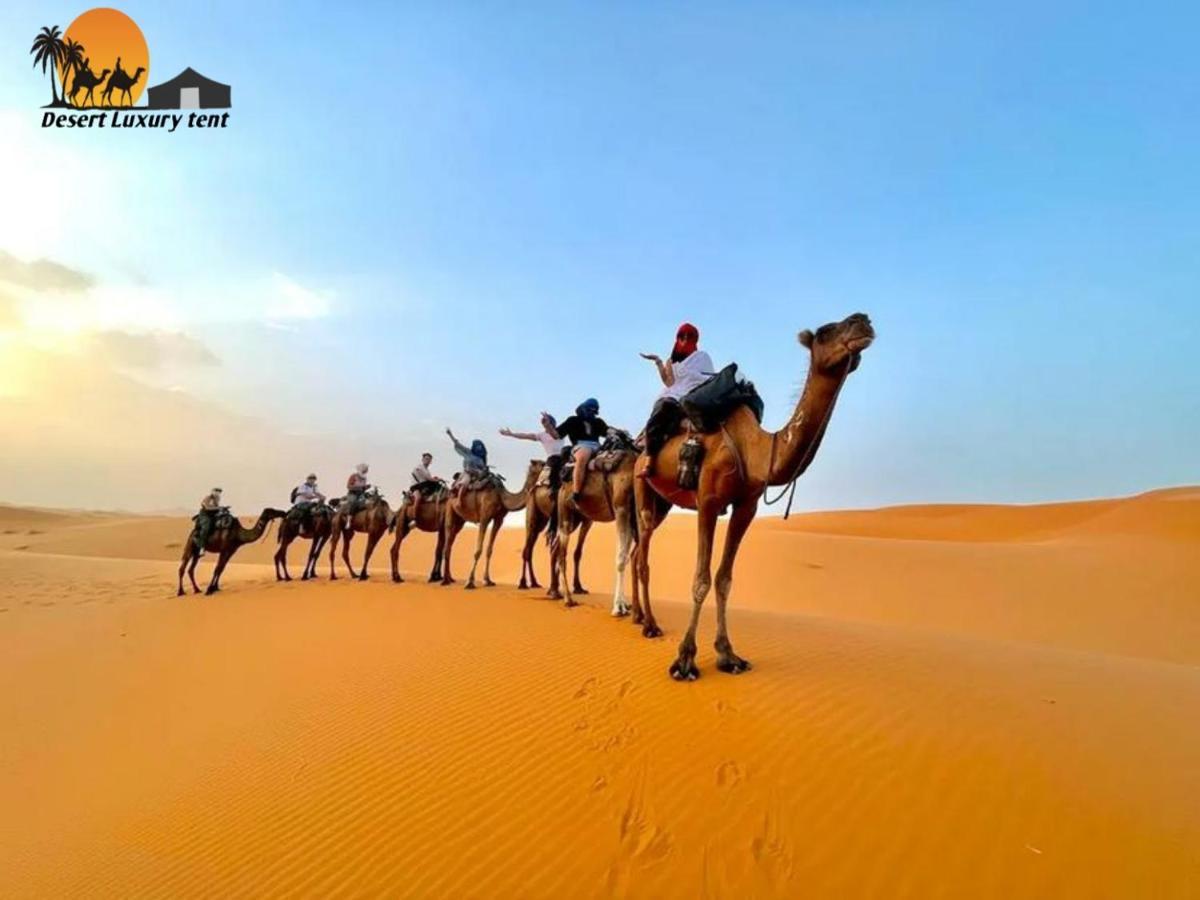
{"x":270,"y":513}
{"x":137,"y":74}
{"x":833,"y":344}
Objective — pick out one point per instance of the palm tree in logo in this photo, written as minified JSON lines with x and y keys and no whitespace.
{"x":48,"y":50}
{"x":72,"y":61}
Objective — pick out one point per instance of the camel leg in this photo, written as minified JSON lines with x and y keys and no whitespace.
{"x":372,"y":539}
{"x":651,"y":511}
{"x":479,"y":538}
{"x":281,"y":559}
{"x":314,"y":553}
{"x":624,"y":543}
{"x":533,"y":527}
{"x":684,"y":667}
{"x":487,"y":559}
{"x":214,"y":585}
{"x":334,"y":535}
{"x":401,"y":530}
{"x":435,"y":574}
{"x":561,"y":546}
{"x":739,"y":522}
{"x":192,"y":573}
{"x":188,"y":551}
{"x":584,"y":527}
{"x":454,"y":524}
{"x":346,"y":539}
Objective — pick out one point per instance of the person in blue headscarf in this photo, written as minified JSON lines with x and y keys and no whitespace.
{"x":584,"y":430}
{"x":474,"y":460}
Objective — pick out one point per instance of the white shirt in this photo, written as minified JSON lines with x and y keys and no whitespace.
{"x":421,"y":474}
{"x":689,"y":374}
{"x":552,"y":445}
{"x":307,"y":493}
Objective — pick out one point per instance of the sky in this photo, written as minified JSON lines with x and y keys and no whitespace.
{"x":425,"y":215}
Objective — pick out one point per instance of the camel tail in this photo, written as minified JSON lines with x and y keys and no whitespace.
{"x":392,"y":522}
{"x":632,"y":511}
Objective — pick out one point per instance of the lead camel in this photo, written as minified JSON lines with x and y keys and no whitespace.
{"x":224,"y":542}
{"x":740,"y":461}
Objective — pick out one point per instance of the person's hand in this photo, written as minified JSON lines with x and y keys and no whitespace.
{"x":507,"y":432}
{"x":653,"y":357}
{"x":449,"y":432}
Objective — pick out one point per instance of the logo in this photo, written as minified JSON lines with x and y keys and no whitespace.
{"x":100,"y":68}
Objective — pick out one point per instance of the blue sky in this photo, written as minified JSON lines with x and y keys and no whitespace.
{"x":497,"y":208}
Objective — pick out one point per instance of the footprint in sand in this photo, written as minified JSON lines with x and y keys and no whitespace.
{"x":585,"y":689}
{"x":730,"y":773}
{"x":626,"y":687}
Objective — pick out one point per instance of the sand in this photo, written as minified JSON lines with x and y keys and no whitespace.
{"x":946,"y":702}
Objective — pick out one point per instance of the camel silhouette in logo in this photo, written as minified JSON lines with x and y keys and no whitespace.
{"x":86,"y":80}
{"x":121,"y":81}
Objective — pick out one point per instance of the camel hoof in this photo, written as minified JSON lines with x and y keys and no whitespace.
{"x":487,"y":582}
{"x":650,"y":630}
{"x":469,"y":586}
{"x":733,"y":665}
{"x":620,"y":612}
{"x":447,"y":581}
{"x":397,"y":579}
{"x":582,"y":591}
{"x":534,"y":584}
{"x":684,"y":671}
{"x":180,"y":594}
{"x":333,"y":578}
{"x":568,"y":603}
{"x":554,"y":595}
{"x":522,"y":586}
{"x":363,"y":577}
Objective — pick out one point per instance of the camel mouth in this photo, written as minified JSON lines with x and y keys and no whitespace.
{"x":859,"y":344}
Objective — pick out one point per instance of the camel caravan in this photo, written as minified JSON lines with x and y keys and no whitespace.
{"x":703,"y":448}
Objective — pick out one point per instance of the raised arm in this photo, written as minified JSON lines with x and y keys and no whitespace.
{"x":519,"y":435}
{"x":665,"y":372}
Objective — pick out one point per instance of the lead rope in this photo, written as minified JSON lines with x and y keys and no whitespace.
{"x":790,"y":487}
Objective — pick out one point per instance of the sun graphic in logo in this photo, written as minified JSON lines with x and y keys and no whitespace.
{"x":105,"y":61}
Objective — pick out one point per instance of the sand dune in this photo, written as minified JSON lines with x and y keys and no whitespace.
{"x":958,"y":702}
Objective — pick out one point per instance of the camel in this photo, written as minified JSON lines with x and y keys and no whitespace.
{"x":430,"y":516}
{"x":740,"y":461}
{"x":121,"y":82}
{"x":486,"y":505}
{"x":606,"y":497}
{"x":372,"y":519}
{"x":86,"y":80}
{"x":318,"y":527}
{"x":224,"y":542}
{"x":537,"y":517}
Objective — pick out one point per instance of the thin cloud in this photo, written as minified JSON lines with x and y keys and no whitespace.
{"x":288,"y":299}
{"x":151,"y":350}
{"x":43,"y":275}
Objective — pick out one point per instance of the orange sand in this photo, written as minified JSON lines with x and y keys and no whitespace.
{"x":946,"y":701}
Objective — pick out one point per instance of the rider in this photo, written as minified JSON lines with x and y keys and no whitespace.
{"x":306,"y":497}
{"x":356,"y":487}
{"x":425,"y":483}
{"x":584,"y":430}
{"x":552,"y":444}
{"x":474,"y":461}
{"x":688,"y":368}
{"x":210,"y":506}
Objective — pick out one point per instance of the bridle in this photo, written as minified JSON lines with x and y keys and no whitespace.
{"x":790,"y":487}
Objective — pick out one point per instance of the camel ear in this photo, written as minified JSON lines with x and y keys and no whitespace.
{"x":806,"y":338}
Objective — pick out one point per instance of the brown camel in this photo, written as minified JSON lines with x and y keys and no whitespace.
{"x":607,"y":496}
{"x":317,"y":528}
{"x":486,"y":505}
{"x":224,"y":542}
{"x":86,"y":80}
{"x":740,"y":461}
{"x":430,"y":516}
{"x":121,"y":82}
{"x":372,"y":520}
{"x":537,"y":517}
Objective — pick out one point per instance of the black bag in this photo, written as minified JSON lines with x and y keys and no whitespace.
{"x":710,"y":404}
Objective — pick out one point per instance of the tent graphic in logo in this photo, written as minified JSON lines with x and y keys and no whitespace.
{"x":189,"y":90}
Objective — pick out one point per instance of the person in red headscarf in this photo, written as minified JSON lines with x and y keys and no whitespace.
{"x":688,"y":368}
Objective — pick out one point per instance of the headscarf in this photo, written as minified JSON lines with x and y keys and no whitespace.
{"x":588,"y":409}
{"x":361,"y":468}
{"x":479,"y":449}
{"x":686,"y":340}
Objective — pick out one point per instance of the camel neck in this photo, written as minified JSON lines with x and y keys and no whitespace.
{"x":796,"y":443}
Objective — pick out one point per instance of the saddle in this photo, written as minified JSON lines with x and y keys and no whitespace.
{"x":615,"y":449}
{"x":222,"y":518}
{"x":478,"y":482}
{"x":714,"y":401}
{"x":427,"y":492}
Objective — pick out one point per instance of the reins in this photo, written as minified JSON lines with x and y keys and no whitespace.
{"x":790,"y":487}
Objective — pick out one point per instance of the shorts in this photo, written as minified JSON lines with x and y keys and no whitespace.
{"x":593,"y":446}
